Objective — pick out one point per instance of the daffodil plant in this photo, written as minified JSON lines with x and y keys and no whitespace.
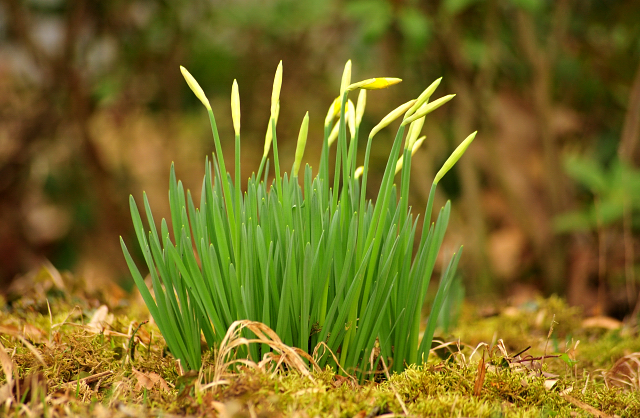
{"x":310,"y":256}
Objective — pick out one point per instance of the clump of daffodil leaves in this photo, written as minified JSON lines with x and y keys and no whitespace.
{"x":308,"y":256}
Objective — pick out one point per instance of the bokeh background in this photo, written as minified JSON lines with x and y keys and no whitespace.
{"x":93,"y":108}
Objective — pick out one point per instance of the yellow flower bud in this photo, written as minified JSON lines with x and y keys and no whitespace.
{"x":195,"y":87}
{"x":302,"y":142}
{"x":277,"y":84}
{"x":269,"y":136}
{"x":426,"y":94}
{"x":393,"y":115}
{"x":362,"y":103}
{"x":351,"y":118}
{"x":346,"y":77}
{"x":454,"y":157}
{"x":430,"y":107}
{"x":358,"y":172}
{"x":235,"y":107}
{"x":333,"y":111}
{"x":374,"y":83}
{"x":414,"y":130}
{"x":334,"y":134}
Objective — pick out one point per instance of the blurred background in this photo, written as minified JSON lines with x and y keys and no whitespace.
{"x":93,"y":108}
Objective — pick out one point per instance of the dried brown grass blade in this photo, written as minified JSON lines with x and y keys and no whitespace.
{"x":625,"y":372}
{"x":291,"y":356}
{"x":323,"y":345}
{"x":482,"y":370}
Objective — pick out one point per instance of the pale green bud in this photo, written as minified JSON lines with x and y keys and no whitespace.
{"x":414,"y":130}
{"x":393,"y":115}
{"x":430,"y":107}
{"x":333,"y":111}
{"x":426,"y":94}
{"x":361,"y":104}
{"x":302,"y":142}
{"x":235,"y":107}
{"x":334,"y":134}
{"x":454,"y":157}
{"x":195,"y":87}
{"x":351,"y":118}
{"x":269,"y":136}
{"x":277,"y":85}
{"x":346,"y":77}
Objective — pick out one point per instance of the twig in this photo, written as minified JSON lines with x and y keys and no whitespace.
{"x":89,"y":379}
{"x":586,"y":407}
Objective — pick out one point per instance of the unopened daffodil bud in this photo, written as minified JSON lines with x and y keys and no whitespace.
{"x":414,"y":130}
{"x":302,"y":142}
{"x":334,"y":110}
{"x":430,"y":107}
{"x":426,"y":94}
{"x":351,"y":118}
{"x":346,"y":77}
{"x":454,"y":157}
{"x":195,"y":87}
{"x":334,"y":134}
{"x":374,"y":83}
{"x":393,"y":115}
{"x":416,"y":145}
{"x":269,"y":136}
{"x":277,"y":85}
{"x":361,"y":104}
{"x":235,"y":107}
{"x":358,"y":172}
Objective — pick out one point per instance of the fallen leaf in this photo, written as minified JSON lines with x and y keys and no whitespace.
{"x":149,"y":380}
{"x":33,"y":333}
{"x":550,"y":383}
{"x":98,"y":319}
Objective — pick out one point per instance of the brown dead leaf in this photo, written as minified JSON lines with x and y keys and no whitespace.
{"x":550,"y":383}
{"x":339,"y":381}
{"x":149,"y":380}
{"x":28,"y":332}
{"x":99,"y":318}
{"x":33,"y":333}
{"x":9,"y":330}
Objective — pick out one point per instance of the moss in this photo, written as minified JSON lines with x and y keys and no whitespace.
{"x":72,"y":352}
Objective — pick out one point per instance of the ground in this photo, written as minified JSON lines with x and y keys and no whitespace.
{"x":76,"y":354}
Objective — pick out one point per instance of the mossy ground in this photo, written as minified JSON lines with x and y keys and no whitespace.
{"x":68,"y":365}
